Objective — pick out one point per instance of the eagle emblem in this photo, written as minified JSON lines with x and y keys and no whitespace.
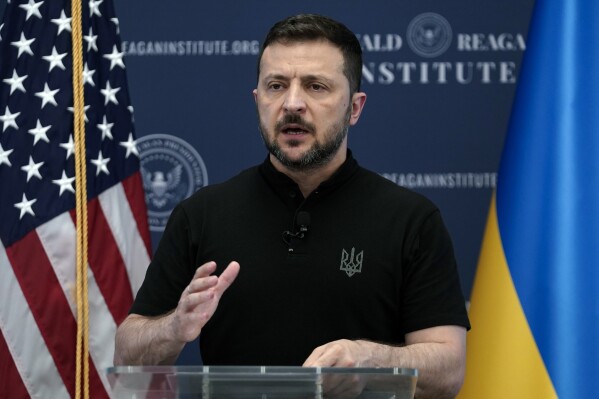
{"x":160,"y":183}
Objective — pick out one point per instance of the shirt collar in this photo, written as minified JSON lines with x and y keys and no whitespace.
{"x":282,"y":183}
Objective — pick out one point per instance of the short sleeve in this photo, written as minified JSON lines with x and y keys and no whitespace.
{"x":431,"y":293}
{"x":170,"y":271}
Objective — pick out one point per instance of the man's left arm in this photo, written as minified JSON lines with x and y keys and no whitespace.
{"x":439,"y":354}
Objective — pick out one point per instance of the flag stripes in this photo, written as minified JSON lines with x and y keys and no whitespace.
{"x":134,"y":192}
{"x":501,"y":334}
{"x":9,"y":370}
{"x":38,"y":234}
{"x":49,"y":297}
{"x":107,"y":264}
{"x":127,"y":227}
{"x":27,"y":347}
{"x":546,"y":221}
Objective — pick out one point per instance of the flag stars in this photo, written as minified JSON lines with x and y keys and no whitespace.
{"x":110,"y":94}
{"x":65,"y":183}
{"x":25,"y":206}
{"x":32,"y":8}
{"x":88,"y":75}
{"x":32,"y":169}
{"x":24,"y":45}
{"x":47,"y":95}
{"x":116,"y":58}
{"x":40,"y":132}
{"x":130,"y":145}
{"x":85,"y":108}
{"x":4,"y":156}
{"x":9,"y":119}
{"x":106,"y":128}
{"x":69,"y":146}
{"x":94,"y":7}
{"x":16,"y":82}
{"x":101,"y":164}
{"x":63,"y":23}
{"x":116,"y":22}
{"x":55,"y":59}
{"x":91,"y":41}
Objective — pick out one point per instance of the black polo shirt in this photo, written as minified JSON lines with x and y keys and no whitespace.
{"x":375,"y":263}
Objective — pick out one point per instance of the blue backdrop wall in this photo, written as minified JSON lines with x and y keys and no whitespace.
{"x":440,"y":78}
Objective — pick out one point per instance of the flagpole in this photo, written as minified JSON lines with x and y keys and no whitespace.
{"x":82,"y":363}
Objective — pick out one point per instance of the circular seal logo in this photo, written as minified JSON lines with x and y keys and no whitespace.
{"x":429,"y":35}
{"x":172,"y":170}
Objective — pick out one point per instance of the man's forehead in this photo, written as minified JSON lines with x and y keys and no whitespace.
{"x":294,"y":44}
{"x":318,"y":54}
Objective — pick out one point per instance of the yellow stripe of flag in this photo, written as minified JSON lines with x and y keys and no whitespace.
{"x":503,"y":360}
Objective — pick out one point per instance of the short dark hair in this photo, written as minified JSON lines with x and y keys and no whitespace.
{"x":308,"y":27}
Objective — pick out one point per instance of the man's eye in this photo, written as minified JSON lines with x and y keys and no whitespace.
{"x":316,"y":87}
{"x":275,"y":86}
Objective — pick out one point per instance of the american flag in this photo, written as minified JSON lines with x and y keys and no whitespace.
{"x":37,"y":200}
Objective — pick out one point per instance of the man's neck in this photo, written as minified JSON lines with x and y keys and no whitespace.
{"x":309,"y":180}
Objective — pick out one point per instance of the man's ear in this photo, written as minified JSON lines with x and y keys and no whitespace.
{"x":357,"y":105}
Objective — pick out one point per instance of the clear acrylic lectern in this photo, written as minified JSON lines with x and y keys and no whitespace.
{"x":255,"y":382}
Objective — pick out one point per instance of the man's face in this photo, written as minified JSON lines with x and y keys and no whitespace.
{"x":304,"y":104}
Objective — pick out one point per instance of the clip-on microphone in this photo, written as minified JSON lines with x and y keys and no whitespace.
{"x":303,"y":222}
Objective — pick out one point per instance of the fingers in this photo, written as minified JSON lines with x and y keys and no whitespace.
{"x":202,"y":278}
{"x":227,"y":277}
{"x":319,"y":358}
{"x":341,"y":353}
{"x":203,"y":281}
{"x":343,"y":386}
{"x":200,"y":284}
{"x":205,"y":270}
{"x":200,"y":299}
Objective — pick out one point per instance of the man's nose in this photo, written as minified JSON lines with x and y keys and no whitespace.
{"x":294,"y":100}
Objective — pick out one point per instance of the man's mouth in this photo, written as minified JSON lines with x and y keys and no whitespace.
{"x":294,"y":129}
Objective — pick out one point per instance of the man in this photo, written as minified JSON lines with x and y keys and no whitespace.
{"x":340,"y":267}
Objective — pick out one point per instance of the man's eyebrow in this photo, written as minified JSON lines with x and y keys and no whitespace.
{"x":313,"y":77}
{"x":275,"y":76}
{"x":304,"y":78}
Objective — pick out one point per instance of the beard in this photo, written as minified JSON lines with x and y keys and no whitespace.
{"x":319,"y":154}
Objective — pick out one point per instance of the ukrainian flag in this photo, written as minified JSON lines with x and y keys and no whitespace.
{"x":535,"y":302}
